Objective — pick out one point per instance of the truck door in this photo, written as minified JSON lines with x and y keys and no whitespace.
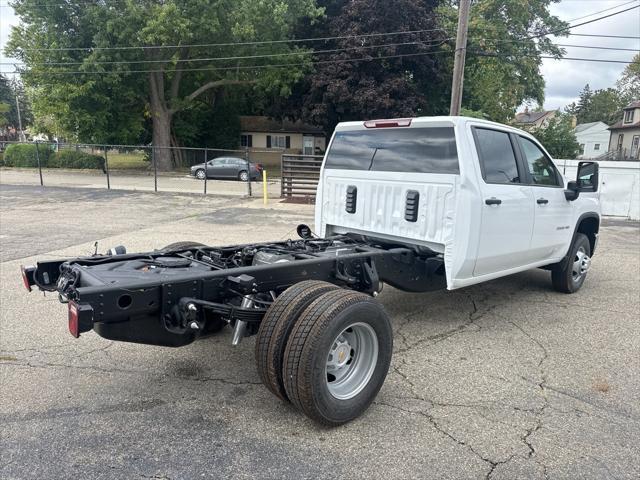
{"x":507,"y":204}
{"x":553,"y":212}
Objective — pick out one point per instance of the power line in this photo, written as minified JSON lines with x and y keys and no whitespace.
{"x":322,"y":62}
{"x":564,"y":30}
{"x":245,"y":67}
{"x":301,"y":40}
{"x":311,"y":52}
{"x":229,"y":44}
{"x":579,"y":59}
{"x":601,"y":11}
{"x":209,"y":59}
{"x":629,"y":37}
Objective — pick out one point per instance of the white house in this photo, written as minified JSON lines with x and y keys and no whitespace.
{"x":593,"y":139}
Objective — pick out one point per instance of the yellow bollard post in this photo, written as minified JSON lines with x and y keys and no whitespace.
{"x":264,"y":187}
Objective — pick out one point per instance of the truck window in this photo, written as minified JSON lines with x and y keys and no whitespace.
{"x":540,"y":167}
{"x":497,"y":158}
{"x":415,"y":150}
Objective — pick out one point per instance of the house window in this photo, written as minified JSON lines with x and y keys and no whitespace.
{"x":596,"y":146}
{"x":246,"y":140}
{"x":582,"y":148}
{"x":278,"y":141}
{"x":628,"y":116}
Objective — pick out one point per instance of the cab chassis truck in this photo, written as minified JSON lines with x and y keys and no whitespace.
{"x":420,"y":204}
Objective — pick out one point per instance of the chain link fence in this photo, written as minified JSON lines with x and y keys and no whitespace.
{"x":141,"y":167}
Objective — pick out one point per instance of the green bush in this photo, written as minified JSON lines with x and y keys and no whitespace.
{"x":76,"y":159}
{"x":24,"y":155}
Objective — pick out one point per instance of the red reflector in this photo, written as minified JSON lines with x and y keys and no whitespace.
{"x":73,"y":320}
{"x":400,"y":122}
{"x":25,"y":278}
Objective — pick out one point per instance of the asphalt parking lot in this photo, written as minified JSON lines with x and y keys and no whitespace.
{"x":503,"y":380}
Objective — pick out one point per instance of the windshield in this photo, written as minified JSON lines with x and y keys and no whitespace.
{"x":416,"y":150}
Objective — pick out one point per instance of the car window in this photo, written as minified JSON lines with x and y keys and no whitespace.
{"x":540,"y":166}
{"x":416,"y":150}
{"x":497,"y":157}
{"x":219,"y":162}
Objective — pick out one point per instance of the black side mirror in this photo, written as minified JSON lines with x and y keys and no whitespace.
{"x":572,"y":191}
{"x":587,"y":176}
{"x":586,"y":180}
{"x":304,"y":231}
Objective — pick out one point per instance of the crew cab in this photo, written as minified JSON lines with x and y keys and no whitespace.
{"x":418,"y":203}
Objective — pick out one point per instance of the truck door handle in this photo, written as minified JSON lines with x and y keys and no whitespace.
{"x":542,"y":201}
{"x":493,"y":201}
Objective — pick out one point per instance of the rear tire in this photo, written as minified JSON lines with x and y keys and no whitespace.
{"x":569,"y":276}
{"x":337,"y":356}
{"x":243,"y":176}
{"x":275,"y":329}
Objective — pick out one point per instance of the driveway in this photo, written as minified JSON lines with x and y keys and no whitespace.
{"x":502,"y":380}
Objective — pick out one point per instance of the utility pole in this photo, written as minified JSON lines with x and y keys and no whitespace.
{"x":460,"y":54}
{"x":22,"y":137}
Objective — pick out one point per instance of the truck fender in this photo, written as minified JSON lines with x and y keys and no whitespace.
{"x":589,"y":224}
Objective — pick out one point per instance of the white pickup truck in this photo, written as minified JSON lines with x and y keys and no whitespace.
{"x":420,"y":204}
{"x":485,"y":196}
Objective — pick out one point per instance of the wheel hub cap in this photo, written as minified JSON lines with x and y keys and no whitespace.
{"x":351,"y":360}
{"x":581,"y":264}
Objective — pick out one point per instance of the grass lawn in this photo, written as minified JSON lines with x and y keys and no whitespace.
{"x":127,"y":161}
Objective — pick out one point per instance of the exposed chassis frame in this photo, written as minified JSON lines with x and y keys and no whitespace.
{"x":175,"y":312}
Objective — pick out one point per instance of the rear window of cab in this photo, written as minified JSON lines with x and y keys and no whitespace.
{"x":412,"y":150}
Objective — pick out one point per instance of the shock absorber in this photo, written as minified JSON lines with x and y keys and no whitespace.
{"x":240,"y":328}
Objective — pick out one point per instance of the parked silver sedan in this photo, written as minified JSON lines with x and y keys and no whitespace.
{"x":227,"y":168}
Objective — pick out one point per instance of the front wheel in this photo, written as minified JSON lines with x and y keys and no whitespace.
{"x":569,"y":276}
{"x":243,"y":176}
{"x":200,"y":174}
{"x":337,"y":356}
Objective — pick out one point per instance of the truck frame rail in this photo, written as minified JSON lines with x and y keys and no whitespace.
{"x":173,"y":296}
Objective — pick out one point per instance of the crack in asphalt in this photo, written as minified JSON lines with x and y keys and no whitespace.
{"x":44,"y":365}
{"x":479,"y":309}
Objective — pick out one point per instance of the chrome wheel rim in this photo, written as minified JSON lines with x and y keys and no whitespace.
{"x":581,"y":264}
{"x":200,"y":174}
{"x":244,"y":176}
{"x":351,"y":361}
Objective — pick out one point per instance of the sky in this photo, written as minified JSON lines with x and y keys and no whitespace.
{"x":564,"y":78}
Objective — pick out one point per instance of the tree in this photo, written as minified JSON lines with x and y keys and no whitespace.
{"x":603,"y":105}
{"x":629,"y":83}
{"x":164,"y":60}
{"x":395,"y":75}
{"x":558,"y":137}
{"x":506,"y":42}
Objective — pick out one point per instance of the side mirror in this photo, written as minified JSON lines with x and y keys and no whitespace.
{"x":587,"y":176}
{"x":304,"y":231}
{"x":586,"y":180}
{"x":572,"y":191}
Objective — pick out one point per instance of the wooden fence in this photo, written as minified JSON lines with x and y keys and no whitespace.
{"x":300,"y":176}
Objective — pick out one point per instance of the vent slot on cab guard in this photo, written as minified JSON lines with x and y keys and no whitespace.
{"x":411,"y":206}
{"x":352,"y":199}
